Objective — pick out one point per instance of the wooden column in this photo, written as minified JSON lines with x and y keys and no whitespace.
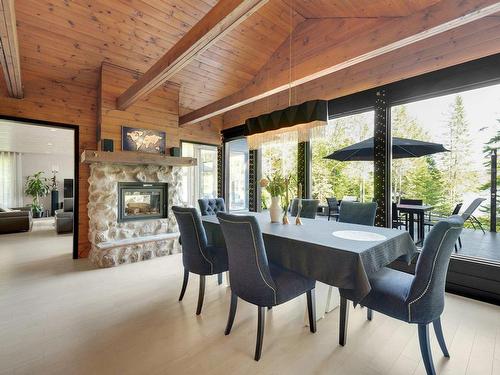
{"x":382,"y":160}
{"x":252,"y":181}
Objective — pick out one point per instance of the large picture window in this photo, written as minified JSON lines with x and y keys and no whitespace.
{"x":351,"y":180}
{"x":200,"y":181}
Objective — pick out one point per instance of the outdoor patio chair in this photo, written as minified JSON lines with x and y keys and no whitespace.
{"x":468,"y":213}
{"x":435,"y":219}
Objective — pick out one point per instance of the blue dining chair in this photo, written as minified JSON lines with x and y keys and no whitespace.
{"x":357,"y":213}
{"x":256,"y":280}
{"x":417,"y":299}
{"x":197,"y":255}
{"x":211,"y":206}
{"x":309,"y":208}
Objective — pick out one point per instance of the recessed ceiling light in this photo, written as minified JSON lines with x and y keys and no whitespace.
{"x":49,"y":144}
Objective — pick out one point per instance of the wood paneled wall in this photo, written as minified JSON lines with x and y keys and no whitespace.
{"x":159,"y":111}
{"x":76,"y":103}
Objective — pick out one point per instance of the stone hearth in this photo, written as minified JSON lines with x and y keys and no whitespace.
{"x":103,"y":208}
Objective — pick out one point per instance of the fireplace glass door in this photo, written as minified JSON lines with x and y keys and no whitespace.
{"x":142,"y":201}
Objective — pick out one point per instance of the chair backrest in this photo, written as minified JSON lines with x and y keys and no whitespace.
{"x":68,"y":205}
{"x":426,"y":297}
{"x":416,"y":202}
{"x":309,"y":208}
{"x":457,"y":208}
{"x":472,"y":207}
{"x":394,"y":208}
{"x":249,"y":273}
{"x":358,"y":213}
{"x":194,"y":241}
{"x":211,"y":206}
{"x":333,"y":204}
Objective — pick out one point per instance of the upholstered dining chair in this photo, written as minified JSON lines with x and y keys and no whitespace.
{"x":197,"y":255}
{"x":211,"y":206}
{"x":309,"y":208}
{"x":333,"y":208}
{"x":417,"y":299}
{"x":256,"y":280}
{"x":357,"y":213}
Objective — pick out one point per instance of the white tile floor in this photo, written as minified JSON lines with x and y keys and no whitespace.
{"x":59,"y":316}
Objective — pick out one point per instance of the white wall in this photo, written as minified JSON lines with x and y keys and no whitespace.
{"x":33,"y":163}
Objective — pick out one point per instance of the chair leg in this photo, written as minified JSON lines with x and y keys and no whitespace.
{"x":232,"y":313}
{"x":440,"y":337}
{"x":184,"y":284}
{"x":344,"y":317}
{"x":219,"y":278}
{"x":201,"y":294}
{"x":459,"y":241}
{"x":260,"y":332}
{"x":269,"y":308}
{"x":478,"y":223}
{"x":369,"y":314}
{"x":311,"y":310}
{"x":425,"y":348}
{"x":456,"y":248}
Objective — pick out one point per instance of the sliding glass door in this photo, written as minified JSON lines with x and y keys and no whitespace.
{"x":200,"y":181}
{"x":237,"y":157}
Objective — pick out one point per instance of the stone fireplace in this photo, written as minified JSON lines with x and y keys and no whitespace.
{"x":128,"y":203}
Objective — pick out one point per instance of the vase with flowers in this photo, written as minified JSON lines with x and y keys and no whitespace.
{"x":276,"y":187}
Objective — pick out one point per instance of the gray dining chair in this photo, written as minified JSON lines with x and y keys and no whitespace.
{"x":358,"y":213}
{"x":333,"y":208}
{"x":309,"y":208}
{"x":254,"y":279}
{"x":211,"y":206}
{"x":198,"y":256}
{"x":417,"y":299}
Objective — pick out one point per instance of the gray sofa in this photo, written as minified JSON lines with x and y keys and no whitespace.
{"x":64,"y":217}
{"x":13,"y":220}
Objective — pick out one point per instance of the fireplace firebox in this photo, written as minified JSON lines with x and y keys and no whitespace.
{"x":142,"y":201}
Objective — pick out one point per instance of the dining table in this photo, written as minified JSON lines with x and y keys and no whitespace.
{"x":338,"y":254}
{"x":419,"y":211}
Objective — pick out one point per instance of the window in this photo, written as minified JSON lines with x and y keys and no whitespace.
{"x":200,"y":181}
{"x":351,"y":180}
{"x":237,"y":175}
{"x":281,"y":157}
{"x":464,"y":123}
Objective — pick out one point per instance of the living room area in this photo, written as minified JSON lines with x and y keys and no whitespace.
{"x":37,"y":173}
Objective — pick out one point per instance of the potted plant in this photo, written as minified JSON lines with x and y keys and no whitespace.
{"x":37,"y":187}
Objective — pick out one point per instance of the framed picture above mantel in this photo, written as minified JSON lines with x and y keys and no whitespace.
{"x":143,"y":140}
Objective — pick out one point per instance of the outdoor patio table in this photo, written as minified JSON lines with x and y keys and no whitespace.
{"x":412,"y":210}
{"x":338,"y":254}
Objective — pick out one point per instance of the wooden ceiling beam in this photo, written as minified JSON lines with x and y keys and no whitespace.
{"x":222,"y":18}
{"x":9,"y":49}
{"x":391,"y":35}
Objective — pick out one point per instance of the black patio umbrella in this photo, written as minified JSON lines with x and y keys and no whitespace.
{"x":401,"y":148}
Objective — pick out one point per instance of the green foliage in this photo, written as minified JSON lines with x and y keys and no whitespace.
{"x":37,"y":187}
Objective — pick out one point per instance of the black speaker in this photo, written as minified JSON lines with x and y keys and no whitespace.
{"x":68,"y":188}
{"x":107,"y":145}
{"x":175,"y":151}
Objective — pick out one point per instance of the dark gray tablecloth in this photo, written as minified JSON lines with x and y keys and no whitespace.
{"x":312,"y":250}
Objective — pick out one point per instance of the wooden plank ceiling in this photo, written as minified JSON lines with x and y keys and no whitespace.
{"x":66,"y":41}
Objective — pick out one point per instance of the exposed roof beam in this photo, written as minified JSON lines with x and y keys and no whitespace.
{"x":256,"y":90}
{"x":223,"y":17}
{"x":9,"y":49}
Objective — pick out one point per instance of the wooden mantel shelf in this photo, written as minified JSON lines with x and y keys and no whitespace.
{"x":135,"y":158}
